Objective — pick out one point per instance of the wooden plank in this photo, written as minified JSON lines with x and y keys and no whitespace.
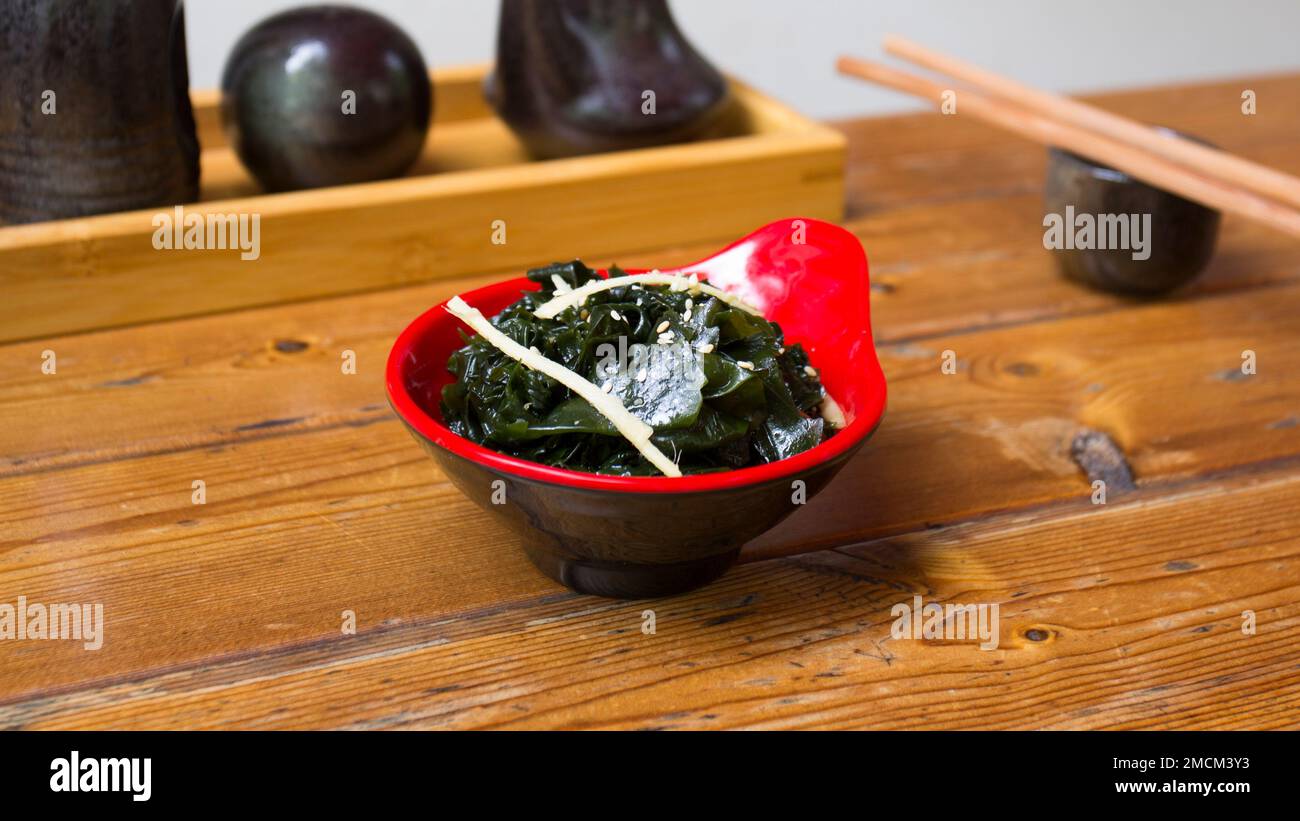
{"x":1209,"y":109}
{"x":936,"y":269}
{"x":936,"y":164}
{"x":1164,"y":382}
{"x":1127,"y":615}
{"x":326,"y":504}
{"x":350,"y":518}
{"x":323,"y":500}
{"x":445,"y":228}
{"x":203,"y":382}
{"x":104,"y":271}
{"x":280,"y":368}
{"x":919,"y":158}
{"x":969,"y":264}
{"x":1012,"y":168}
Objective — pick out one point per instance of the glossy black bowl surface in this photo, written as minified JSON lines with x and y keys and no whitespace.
{"x":631,"y":545}
{"x":1182,"y":233}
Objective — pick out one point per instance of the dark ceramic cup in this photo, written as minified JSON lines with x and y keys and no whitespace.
{"x":94,"y":108}
{"x":1180,"y":234}
{"x":638,"y":537}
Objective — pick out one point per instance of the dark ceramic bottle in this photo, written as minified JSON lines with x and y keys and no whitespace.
{"x":576,"y":76}
{"x":94,"y":108}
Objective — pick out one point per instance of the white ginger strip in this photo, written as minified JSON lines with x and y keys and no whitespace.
{"x":832,"y":413}
{"x":633,"y":429}
{"x":578,"y":296}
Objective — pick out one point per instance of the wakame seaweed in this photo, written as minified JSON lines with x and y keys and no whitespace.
{"x":717,"y":383}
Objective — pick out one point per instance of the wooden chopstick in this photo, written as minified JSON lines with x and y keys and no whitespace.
{"x":1211,"y":162}
{"x":1150,"y":168}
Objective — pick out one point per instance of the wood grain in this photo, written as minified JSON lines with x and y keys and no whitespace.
{"x":933,"y":158}
{"x":320,"y":473}
{"x":1126,"y":615}
{"x":104,"y":271}
{"x":936,"y":270}
{"x":228,"y":614}
{"x":915,"y":158}
{"x":350,"y":518}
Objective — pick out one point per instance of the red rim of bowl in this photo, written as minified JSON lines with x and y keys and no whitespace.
{"x":864,"y":422}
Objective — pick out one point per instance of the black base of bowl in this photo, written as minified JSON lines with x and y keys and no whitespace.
{"x":632,"y":545}
{"x":628,"y":580}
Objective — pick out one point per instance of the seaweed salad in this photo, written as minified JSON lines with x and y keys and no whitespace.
{"x":712,"y":385}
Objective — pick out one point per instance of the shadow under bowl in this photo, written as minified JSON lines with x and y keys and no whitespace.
{"x":649,"y":536}
{"x":1141,"y":240}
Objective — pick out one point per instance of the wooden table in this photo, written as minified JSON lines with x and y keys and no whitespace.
{"x":1128,"y":614}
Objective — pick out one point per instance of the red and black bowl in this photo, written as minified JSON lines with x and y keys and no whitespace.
{"x":636,"y":536}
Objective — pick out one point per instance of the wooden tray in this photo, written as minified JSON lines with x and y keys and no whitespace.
{"x":102,"y":271}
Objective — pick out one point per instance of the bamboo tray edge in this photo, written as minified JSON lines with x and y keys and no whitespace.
{"x":103,"y":271}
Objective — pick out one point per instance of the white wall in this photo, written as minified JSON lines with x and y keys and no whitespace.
{"x":788,"y":48}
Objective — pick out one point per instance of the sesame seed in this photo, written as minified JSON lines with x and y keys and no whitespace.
{"x":666,"y":338}
{"x":607,"y":387}
{"x":615,"y":315}
{"x":583,"y":314}
{"x":663,"y":326}
{"x":690,"y":303}
{"x":810,"y":370}
{"x":781,"y":350}
{"x":707,"y":347}
{"x":686,"y":314}
{"x":749,"y":366}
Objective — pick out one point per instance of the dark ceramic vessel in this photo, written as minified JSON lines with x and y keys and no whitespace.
{"x":1181,"y":239}
{"x":571,"y":76}
{"x":121,"y":133}
{"x":637,"y":537}
{"x":283,"y":98}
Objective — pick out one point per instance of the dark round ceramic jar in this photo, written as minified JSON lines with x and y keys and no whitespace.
{"x":586,"y":76}
{"x":1179,"y":235}
{"x":326,"y":95}
{"x":94,"y":108}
